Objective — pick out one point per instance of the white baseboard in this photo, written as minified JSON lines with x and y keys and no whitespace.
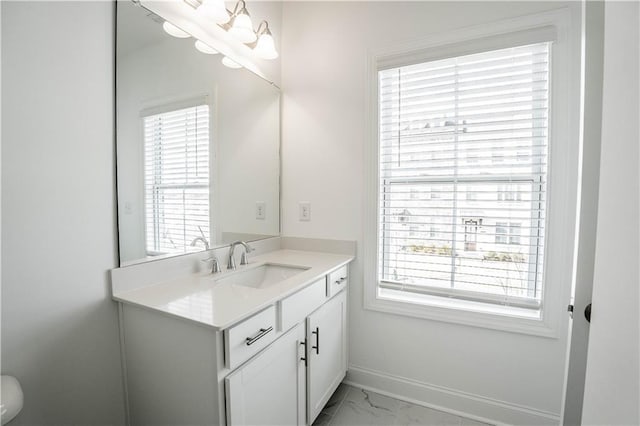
{"x":453,"y":401}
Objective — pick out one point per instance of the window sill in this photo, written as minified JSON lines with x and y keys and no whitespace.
{"x":471,"y":313}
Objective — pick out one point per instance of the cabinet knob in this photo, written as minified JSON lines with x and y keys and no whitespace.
{"x":341,"y":280}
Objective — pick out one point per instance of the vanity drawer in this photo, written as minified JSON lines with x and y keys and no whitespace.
{"x":246,"y":339}
{"x":298,"y":306}
{"x":337,"y":280}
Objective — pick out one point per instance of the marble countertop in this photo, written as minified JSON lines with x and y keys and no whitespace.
{"x":203,"y":299}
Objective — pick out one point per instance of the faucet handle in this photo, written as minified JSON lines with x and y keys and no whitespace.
{"x":215,"y":265}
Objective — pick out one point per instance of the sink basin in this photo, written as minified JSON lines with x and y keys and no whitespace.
{"x":262,"y":276}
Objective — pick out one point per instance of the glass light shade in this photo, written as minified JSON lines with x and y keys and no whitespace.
{"x":228,"y":62}
{"x":242,"y":29}
{"x":172,"y":30}
{"x":215,"y":11}
{"x":266,"y":48}
{"x":204,"y":48}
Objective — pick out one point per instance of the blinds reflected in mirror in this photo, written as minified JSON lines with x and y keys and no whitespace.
{"x":463,"y":174}
{"x":176,"y":179}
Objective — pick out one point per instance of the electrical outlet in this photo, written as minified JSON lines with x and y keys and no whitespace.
{"x":260,"y":210}
{"x":304,"y":211}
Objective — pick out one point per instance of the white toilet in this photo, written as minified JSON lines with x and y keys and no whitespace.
{"x":12,"y":398}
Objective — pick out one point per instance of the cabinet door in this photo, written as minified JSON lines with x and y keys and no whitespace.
{"x":326,"y":340}
{"x":270,"y":388}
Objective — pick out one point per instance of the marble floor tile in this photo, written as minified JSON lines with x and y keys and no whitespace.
{"x":336,"y":399}
{"x":350,"y":406}
{"x":361,"y":407}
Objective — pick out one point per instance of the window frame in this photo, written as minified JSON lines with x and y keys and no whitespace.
{"x":562,"y":189}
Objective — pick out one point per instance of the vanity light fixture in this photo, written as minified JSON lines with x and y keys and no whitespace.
{"x":215,"y":11}
{"x":265,"y":47}
{"x":204,"y":48}
{"x":237,"y":23}
{"x":228,"y":62}
{"x":241,"y":26}
{"x":174,"y":31}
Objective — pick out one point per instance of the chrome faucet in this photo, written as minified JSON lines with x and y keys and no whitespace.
{"x":231,"y":264}
{"x":203,"y":239}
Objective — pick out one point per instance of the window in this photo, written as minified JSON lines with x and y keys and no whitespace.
{"x":486,"y":117}
{"x":176,"y":178}
{"x":509,"y":193}
{"x":514,"y":233}
{"x":507,"y":233}
{"x":501,"y":232}
{"x":435,"y":278}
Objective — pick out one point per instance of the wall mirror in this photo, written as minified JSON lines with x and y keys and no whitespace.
{"x":197,"y":145}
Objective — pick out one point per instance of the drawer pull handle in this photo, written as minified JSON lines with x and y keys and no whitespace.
{"x":341,"y":280}
{"x":304,"y":358}
{"x":261,"y":333}
{"x":317,"y":346}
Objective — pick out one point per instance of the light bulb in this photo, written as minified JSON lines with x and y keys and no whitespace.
{"x":266,"y":48}
{"x":242,"y":28}
{"x":215,"y":11}
{"x":174,"y":31}
{"x":228,"y":62}
{"x":204,"y":48}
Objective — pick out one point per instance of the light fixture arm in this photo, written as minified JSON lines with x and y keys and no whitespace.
{"x":263,"y":28}
{"x":237,"y":9}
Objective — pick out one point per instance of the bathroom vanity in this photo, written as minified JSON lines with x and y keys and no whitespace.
{"x":264,"y":344}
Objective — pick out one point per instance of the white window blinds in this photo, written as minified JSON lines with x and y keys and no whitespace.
{"x":463,"y":173}
{"x":176,"y":178}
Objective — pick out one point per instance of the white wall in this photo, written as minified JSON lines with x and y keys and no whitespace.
{"x":487,"y":373}
{"x":59,"y":326}
{"x":612,"y":386}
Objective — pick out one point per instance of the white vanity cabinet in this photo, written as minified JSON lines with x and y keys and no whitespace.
{"x":278,"y":366}
{"x":263,"y":390}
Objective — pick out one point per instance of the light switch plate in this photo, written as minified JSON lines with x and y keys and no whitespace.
{"x":304,"y":211}
{"x":261,"y":208}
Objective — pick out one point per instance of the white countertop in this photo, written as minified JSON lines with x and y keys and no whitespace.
{"x":200,"y":298}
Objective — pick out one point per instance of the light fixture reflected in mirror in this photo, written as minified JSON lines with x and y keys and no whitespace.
{"x":204,"y":48}
{"x":237,"y":23}
{"x":228,"y":62}
{"x":215,"y":11}
{"x":174,"y":31}
{"x":241,"y":26}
